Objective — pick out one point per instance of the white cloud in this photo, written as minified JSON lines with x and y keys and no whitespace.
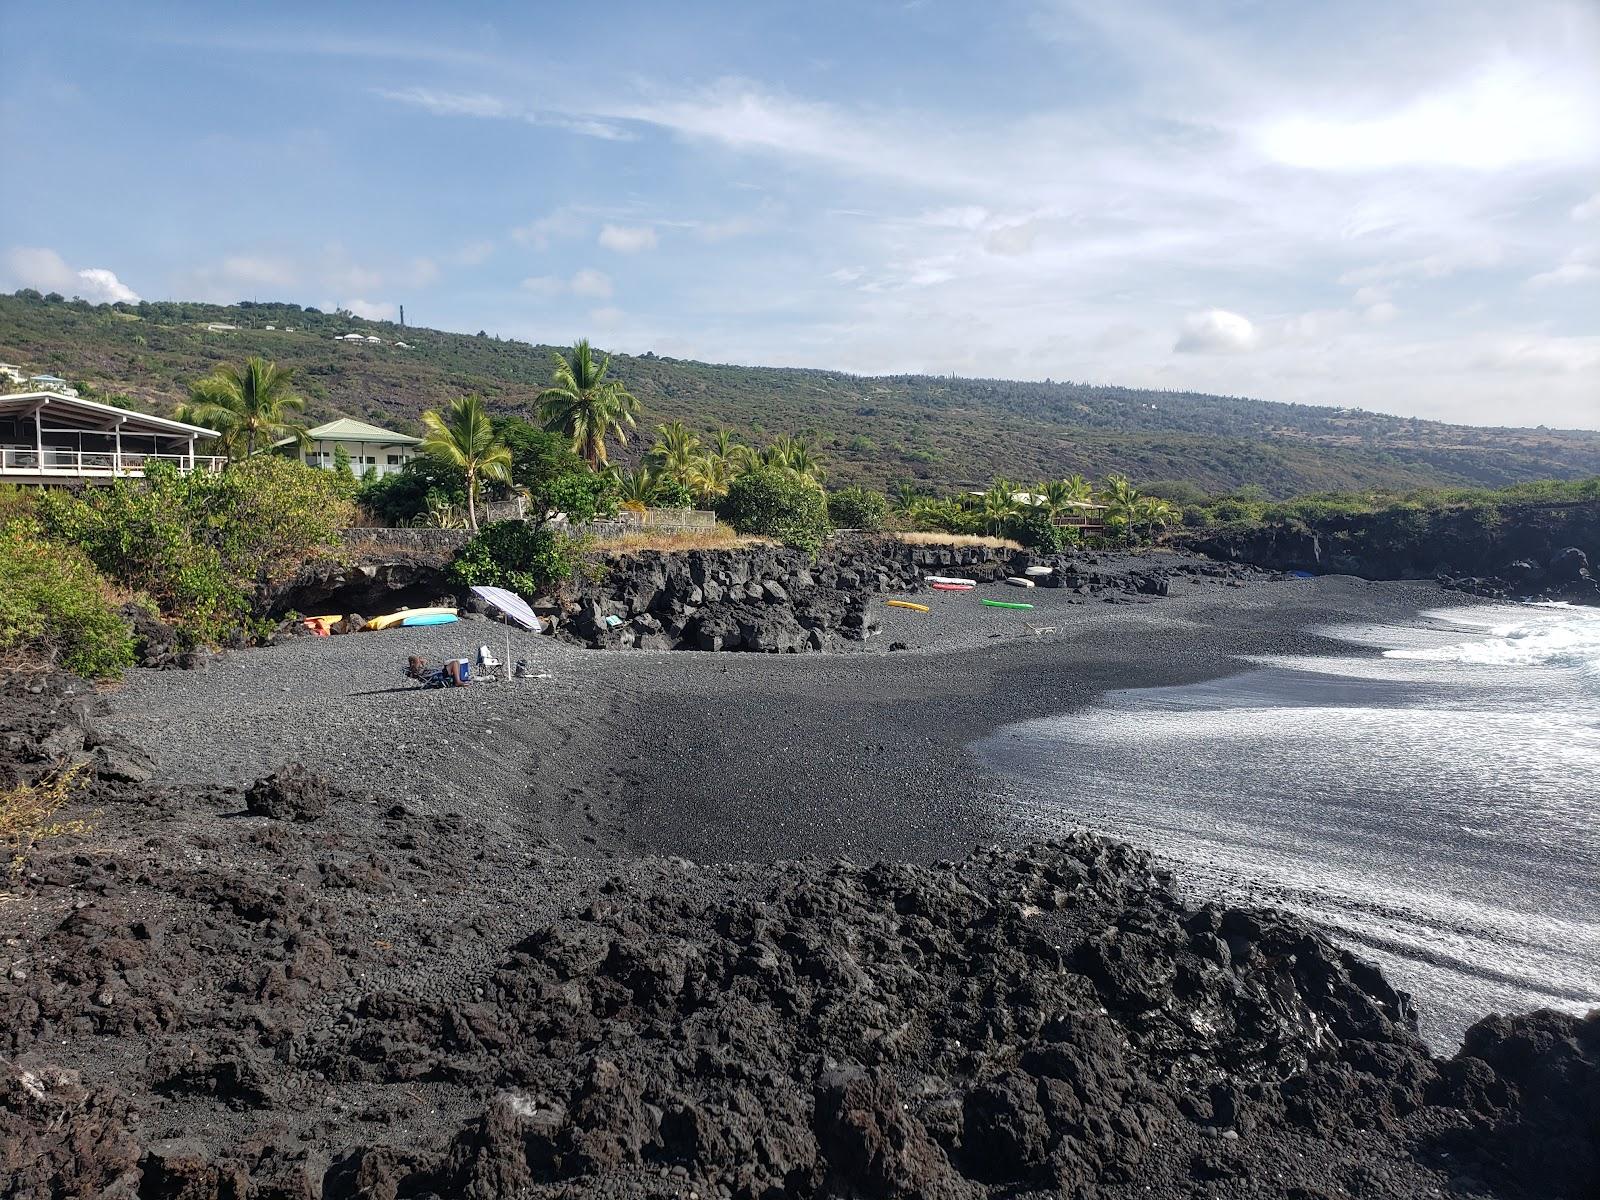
{"x":256,"y":270}
{"x":1573,"y":271}
{"x":1013,"y":239}
{"x":1216,"y":331}
{"x":585,"y":282}
{"x":1382,"y":311}
{"x":1510,"y":114}
{"x":625,"y":239}
{"x":484,"y":106}
{"x":589,"y":282}
{"x":371,"y":310}
{"x":1469,"y":256}
{"x":1589,"y":210}
{"x":1541,"y":354}
{"x":538,"y":233}
{"x":43,"y":269}
{"x":607,"y":315}
{"x":473,"y":253}
{"x":99,"y":285}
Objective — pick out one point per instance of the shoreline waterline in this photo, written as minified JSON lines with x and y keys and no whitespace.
{"x":1421,"y":797}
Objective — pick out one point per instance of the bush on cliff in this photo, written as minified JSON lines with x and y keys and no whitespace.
{"x":524,"y":557}
{"x":53,"y":599}
{"x":858,"y":508}
{"x":198,"y":544}
{"x":1035,"y":530}
{"x":772,"y":502}
{"x":421,"y":486}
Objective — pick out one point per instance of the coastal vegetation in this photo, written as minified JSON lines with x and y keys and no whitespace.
{"x":770,"y":501}
{"x":584,"y":404}
{"x":250,"y":405}
{"x":938,"y":433}
{"x":30,"y":816}
{"x":466,"y":440}
{"x":1248,"y":506}
{"x":54,"y":602}
{"x":195,"y":546}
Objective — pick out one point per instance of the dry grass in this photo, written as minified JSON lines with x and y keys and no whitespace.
{"x":958,"y":539}
{"x":719,"y":537}
{"x":28,"y":815}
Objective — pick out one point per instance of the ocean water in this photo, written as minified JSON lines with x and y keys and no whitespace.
{"x":1432,"y":798}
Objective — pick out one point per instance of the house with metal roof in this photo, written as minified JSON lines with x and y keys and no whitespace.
{"x":384,"y":450}
{"x":59,"y":437}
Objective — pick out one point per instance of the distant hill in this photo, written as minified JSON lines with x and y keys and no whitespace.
{"x":938,"y":430}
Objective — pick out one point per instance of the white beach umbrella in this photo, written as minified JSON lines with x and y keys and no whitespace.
{"x":511,"y":607}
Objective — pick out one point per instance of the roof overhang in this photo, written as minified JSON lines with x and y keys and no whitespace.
{"x":95,"y":416}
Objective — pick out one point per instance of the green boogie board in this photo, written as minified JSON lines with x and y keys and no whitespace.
{"x":1006,"y":604}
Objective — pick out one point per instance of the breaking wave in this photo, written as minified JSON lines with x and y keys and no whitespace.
{"x":1552,"y":635}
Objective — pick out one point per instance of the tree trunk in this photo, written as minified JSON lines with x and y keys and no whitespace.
{"x":472,"y":501}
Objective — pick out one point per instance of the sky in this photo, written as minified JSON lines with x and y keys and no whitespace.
{"x":1391,"y":204}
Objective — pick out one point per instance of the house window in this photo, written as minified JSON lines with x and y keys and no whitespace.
{"x":394,"y":460}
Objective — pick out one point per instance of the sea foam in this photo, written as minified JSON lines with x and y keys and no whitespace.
{"x":1554,"y":635}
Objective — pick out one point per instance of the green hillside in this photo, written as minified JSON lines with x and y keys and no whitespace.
{"x":944,"y":431}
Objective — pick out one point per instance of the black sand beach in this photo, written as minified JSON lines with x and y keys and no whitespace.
{"x":528,"y":939}
{"x":722,"y":757}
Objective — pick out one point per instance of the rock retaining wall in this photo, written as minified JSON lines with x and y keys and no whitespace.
{"x":437,"y":540}
{"x":772,"y":599}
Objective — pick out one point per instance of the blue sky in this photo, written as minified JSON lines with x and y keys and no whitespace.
{"x":1394,"y":205}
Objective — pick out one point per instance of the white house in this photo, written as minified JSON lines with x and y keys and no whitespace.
{"x":368,"y":446}
{"x":54,"y":437}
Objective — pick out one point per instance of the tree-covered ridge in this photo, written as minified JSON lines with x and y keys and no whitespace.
{"x":939,"y":431}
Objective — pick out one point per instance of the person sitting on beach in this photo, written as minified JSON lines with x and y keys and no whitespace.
{"x":452,"y":673}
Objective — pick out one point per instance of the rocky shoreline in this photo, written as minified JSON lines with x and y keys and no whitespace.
{"x":273,"y":982}
{"x":760,"y":598}
{"x":1532,"y":551}
{"x":298,"y":990}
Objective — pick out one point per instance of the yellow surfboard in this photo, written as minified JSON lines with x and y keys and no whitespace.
{"x":395,"y":618}
{"x":906,"y":604}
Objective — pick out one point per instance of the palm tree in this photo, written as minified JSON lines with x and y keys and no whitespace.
{"x":1156,"y":514}
{"x":586,"y":406}
{"x":246,"y":405}
{"x":674,"y":451}
{"x":636,"y":488}
{"x":803,"y":460}
{"x":998,"y":506}
{"x":1122,"y":503}
{"x":906,"y":497}
{"x":1062,"y":494}
{"x":467,"y":440}
{"x":710,"y":476}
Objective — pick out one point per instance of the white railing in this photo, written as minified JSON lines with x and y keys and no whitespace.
{"x":96,"y":463}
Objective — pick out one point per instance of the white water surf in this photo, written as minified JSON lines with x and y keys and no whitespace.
{"x":1435,"y":806}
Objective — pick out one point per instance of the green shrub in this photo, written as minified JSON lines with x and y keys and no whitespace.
{"x":944,"y":516}
{"x":52,"y":597}
{"x":524,"y":557}
{"x":405,"y":495}
{"x":771,"y":502}
{"x":671,"y":493}
{"x":582,"y":494}
{"x":198,"y":544}
{"x":1032,"y":527}
{"x":858,"y":508}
